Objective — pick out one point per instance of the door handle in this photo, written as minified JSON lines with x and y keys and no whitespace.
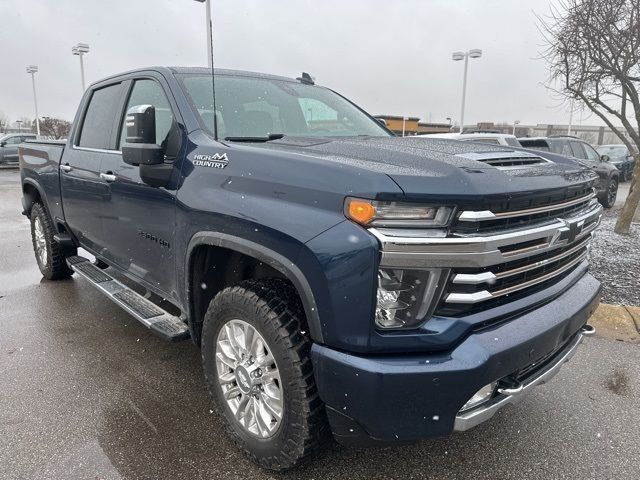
{"x":108,"y":177}
{"x":66,"y":167}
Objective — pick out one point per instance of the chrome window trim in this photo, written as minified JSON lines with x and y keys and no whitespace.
{"x":96,"y":150}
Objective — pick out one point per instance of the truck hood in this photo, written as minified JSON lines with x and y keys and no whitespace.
{"x":440,"y":167}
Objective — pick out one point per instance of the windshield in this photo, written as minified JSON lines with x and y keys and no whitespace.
{"x":258,"y":107}
{"x":612,"y":151}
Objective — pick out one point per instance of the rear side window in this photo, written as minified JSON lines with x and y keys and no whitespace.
{"x":99,"y":118}
{"x":591,"y":153}
{"x":578,"y":150}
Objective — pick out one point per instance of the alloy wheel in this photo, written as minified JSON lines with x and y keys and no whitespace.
{"x":40,"y":241}
{"x":249,"y":378}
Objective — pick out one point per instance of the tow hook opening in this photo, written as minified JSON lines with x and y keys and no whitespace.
{"x":588,"y":330}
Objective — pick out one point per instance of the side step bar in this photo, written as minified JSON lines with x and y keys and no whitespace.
{"x":159,"y":321}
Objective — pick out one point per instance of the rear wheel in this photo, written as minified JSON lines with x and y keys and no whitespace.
{"x":50,"y":255}
{"x":612,"y":193}
{"x":256,"y":362}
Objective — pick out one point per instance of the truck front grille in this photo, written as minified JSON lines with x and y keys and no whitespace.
{"x":511,"y":252}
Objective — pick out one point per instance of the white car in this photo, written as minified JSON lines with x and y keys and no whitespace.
{"x":493,"y":138}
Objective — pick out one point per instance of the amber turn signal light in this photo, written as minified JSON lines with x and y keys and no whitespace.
{"x":360,"y":211}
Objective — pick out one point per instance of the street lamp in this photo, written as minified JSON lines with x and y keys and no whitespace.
{"x":80,"y":49}
{"x":19,"y":122}
{"x":209,"y":32}
{"x":457,"y":56}
{"x":515,"y":122}
{"x":32,"y":69}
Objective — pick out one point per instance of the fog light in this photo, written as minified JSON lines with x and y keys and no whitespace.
{"x":407,"y":298}
{"x":480,"y":396}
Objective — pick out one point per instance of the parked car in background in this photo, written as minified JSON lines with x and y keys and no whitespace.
{"x":619,"y":157}
{"x":9,"y":147}
{"x":492,"y":138}
{"x":607,"y":185}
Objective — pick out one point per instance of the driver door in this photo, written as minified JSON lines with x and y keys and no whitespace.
{"x":139,"y":220}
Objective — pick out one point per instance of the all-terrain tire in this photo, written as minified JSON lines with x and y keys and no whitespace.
{"x":274,"y":310}
{"x":50,"y":255}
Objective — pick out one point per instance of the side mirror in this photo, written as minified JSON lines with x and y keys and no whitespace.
{"x":140,"y":146}
{"x":2,"y":144}
{"x":604,"y":158}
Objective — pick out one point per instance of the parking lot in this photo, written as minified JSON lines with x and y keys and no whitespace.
{"x":88,"y":393}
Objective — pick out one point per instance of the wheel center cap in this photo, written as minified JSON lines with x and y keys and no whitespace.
{"x":243,"y":379}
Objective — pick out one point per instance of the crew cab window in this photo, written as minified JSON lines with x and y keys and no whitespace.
{"x":150,"y":92}
{"x":99,"y":117}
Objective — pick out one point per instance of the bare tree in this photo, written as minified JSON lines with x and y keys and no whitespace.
{"x":593,"y":50}
{"x":4,"y":122}
{"x":54,"y":127}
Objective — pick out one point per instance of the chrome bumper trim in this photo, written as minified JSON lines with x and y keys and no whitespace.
{"x":471,"y":418}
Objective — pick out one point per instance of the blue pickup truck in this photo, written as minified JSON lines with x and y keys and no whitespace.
{"x":338,"y":280}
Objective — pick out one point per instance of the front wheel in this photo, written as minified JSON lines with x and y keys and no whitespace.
{"x":258,"y":371}
{"x":611,"y":194}
{"x":50,"y":255}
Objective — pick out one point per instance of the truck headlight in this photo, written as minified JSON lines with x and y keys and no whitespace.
{"x":407,"y":298}
{"x":373,"y":213}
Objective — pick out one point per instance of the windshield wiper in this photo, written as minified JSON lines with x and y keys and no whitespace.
{"x":268,"y":138}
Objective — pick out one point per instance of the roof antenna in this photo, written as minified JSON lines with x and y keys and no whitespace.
{"x":306,"y":79}
{"x":213,"y":74}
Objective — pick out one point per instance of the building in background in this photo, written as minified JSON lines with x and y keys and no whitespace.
{"x":593,"y":134}
{"x":412,"y":125}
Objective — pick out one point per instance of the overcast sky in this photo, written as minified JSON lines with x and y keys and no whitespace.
{"x":391,"y":57}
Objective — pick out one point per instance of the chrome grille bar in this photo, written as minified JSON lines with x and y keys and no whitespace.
{"x":485,"y":295}
{"x":483,"y":251}
{"x":479,"y":216}
{"x":488,"y":277}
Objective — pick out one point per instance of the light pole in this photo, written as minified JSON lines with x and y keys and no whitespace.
{"x":456,"y":56}
{"x":80,"y":49}
{"x":570,"y":117}
{"x":207,"y":6}
{"x":19,"y":122}
{"x":515,"y":122}
{"x":32,"y":69}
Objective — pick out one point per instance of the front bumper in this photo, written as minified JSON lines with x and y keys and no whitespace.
{"x":400,"y":398}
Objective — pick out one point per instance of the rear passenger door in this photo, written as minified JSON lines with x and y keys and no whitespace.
{"x":140,"y":219}
{"x":84,"y":191}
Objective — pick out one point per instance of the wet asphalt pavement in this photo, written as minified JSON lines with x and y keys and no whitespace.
{"x":88,"y":393}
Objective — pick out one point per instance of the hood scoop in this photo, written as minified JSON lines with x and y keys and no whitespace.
{"x":505,"y":160}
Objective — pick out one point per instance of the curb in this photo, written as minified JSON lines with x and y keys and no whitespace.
{"x":617,"y":322}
